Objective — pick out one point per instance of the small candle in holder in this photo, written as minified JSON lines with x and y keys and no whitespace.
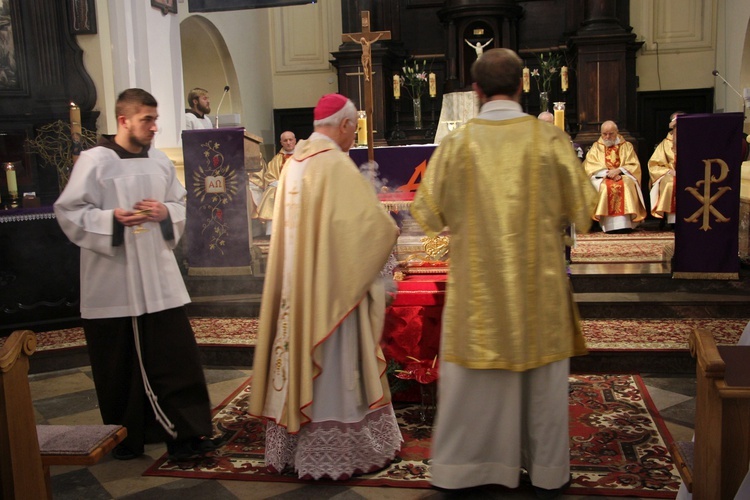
{"x":433,"y":84}
{"x":396,"y":87}
{"x":75,"y":130}
{"x":526,"y":80}
{"x":564,"y":78}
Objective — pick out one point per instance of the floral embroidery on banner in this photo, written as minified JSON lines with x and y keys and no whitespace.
{"x":215,"y":184}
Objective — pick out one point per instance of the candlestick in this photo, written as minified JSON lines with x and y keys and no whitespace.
{"x":361,"y":128}
{"x":433,"y":84}
{"x":526,"y":80}
{"x":396,"y":86}
{"x":564,"y":78}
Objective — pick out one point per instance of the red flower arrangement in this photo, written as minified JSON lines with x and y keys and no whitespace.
{"x":424,"y":371}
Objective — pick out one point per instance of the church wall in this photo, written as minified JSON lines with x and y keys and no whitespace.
{"x":301,"y":40}
{"x":680,"y":43}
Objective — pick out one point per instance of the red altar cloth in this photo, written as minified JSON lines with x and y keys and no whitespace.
{"x":412,"y":322}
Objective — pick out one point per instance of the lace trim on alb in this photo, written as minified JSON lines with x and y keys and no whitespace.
{"x":335,"y":450}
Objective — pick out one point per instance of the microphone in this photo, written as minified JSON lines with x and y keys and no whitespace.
{"x":716,"y":73}
{"x":226,"y":89}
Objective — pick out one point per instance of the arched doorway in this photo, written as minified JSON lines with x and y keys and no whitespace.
{"x":206,"y":63}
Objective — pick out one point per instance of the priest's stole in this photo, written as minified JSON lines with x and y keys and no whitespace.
{"x":218,"y":238}
{"x":400,"y":168}
{"x":709,"y":149}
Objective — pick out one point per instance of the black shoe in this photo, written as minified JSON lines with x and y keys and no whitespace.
{"x":122,"y":452}
{"x":207,"y":444}
{"x":193,"y":448}
{"x":553,"y":493}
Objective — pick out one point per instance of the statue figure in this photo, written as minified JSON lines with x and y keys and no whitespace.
{"x":478,"y":48}
{"x":366,"y":53}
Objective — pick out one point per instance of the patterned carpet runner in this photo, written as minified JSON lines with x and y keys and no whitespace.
{"x":618,"y":444}
{"x":638,"y":246}
{"x":600,"y":334}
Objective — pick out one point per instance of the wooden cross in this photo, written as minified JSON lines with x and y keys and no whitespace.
{"x":365,"y":38}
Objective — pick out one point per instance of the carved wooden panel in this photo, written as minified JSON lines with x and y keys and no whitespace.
{"x":677,"y":25}
{"x":299,"y":34}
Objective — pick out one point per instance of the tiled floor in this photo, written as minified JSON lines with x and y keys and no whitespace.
{"x":68,"y":397}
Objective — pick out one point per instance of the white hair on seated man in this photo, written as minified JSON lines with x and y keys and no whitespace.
{"x":348,"y":111}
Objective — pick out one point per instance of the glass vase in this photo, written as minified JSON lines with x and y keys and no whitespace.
{"x":543,"y":101}
{"x":417,"y":102}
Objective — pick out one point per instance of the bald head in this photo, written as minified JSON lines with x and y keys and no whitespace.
{"x":546,"y":116}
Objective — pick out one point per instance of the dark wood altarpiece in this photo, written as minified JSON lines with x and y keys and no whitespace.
{"x":592,"y":36}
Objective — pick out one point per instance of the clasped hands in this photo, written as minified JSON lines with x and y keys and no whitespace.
{"x":615,"y":174}
{"x":146,"y":210}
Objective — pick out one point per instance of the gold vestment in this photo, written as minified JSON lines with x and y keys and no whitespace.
{"x":271,"y":174}
{"x":343,"y":238}
{"x":506,"y":190}
{"x":596,"y":160}
{"x":659,"y":166}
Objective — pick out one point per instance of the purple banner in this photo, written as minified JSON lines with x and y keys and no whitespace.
{"x":218,"y":240}
{"x":400,"y":167}
{"x":709,"y":148}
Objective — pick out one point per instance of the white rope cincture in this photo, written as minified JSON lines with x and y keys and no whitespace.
{"x":161,"y":417}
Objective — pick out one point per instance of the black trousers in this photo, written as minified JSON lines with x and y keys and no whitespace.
{"x":172,"y":365}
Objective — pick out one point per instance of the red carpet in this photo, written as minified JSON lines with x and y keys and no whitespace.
{"x":618,"y":444}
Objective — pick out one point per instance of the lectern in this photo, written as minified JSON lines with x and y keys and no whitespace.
{"x":721,"y":452}
{"x":218,"y":235}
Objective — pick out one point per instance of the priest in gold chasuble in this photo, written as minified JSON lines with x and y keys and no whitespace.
{"x":615,"y":171}
{"x":505,"y":185}
{"x":319,"y":373}
{"x":663,"y":176}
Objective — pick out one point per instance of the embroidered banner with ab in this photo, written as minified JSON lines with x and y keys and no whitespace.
{"x":709,"y":149}
{"x":217,"y":222}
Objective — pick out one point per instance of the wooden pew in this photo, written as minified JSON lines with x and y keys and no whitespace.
{"x":715,"y":465}
{"x":24,"y":462}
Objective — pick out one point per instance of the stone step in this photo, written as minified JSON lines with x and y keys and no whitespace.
{"x":612,"y":305}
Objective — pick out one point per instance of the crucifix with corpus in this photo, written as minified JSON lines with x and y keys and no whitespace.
{"x":365,"y":38}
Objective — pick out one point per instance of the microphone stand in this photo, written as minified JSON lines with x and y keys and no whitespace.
{"x":744,"y":103}
{"x":226,"y":89}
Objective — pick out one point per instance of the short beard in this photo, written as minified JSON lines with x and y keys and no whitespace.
{"x":203,"y":109}
{"x":135,"y":142}
{"x":611,"y":142}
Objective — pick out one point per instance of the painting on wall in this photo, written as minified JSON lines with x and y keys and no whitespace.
{"x":82,"y":17}
{"x":12,"y":80}
{"x":165,"y":6}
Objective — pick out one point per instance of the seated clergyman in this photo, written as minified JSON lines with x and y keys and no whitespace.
{"x":615,"y":171}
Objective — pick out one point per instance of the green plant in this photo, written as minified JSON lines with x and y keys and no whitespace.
{"x":547,"y":72}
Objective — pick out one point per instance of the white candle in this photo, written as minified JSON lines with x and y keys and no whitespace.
{"x":564,"y":78}
{"x":433,"y":85}
{"x":526,"y":80}
{"x":362,"y":130}
{"x":10,"y":176}
{"x":396,"y":87}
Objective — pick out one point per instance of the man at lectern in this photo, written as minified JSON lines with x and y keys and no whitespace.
{"x":196,"y":116}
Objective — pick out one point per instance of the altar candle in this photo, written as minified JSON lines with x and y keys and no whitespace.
{"x":362,"y":130}
{"x":564,"y":78}
{"x":433,"y":85}
{"x":396,"y":87}
{"x":10,"y":176}
{"x":560,"y":119}
{"x":526,"y":80}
